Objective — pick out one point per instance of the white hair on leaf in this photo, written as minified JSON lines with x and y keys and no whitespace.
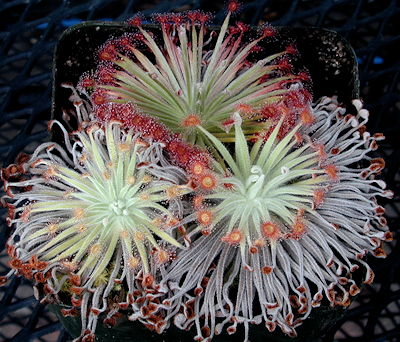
{"x":282,"y":241}
{"x":91,"y":219}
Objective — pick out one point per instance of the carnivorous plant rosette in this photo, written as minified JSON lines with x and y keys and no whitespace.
{"x":195,"y":76}
{"x":95,"y":218}
{"x":287,"y":223}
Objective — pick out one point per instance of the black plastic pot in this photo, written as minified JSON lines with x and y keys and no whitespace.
{"x":332,"y":65}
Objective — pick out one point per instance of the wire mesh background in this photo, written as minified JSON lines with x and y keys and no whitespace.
{"x":29,"y":32}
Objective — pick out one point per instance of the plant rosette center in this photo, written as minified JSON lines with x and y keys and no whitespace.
{"x":270,"y":188}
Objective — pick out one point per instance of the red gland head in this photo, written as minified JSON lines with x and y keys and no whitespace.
{"x":298,"y":227}
{"x":177,"y":18}
{"x":306,"y":117}
{"x":244,"y":108}
{"x":319,"y":196}
{"x":161,"y":18}
{"x":181,"y":152}
{"x":135,"y":21}
{"x":86,"y":82}
{"x":197,"y":168}
{"x":207,"y":181}
{"x":270,"y":230}
{"x":198,"y":17}
{"x":304,"y":76}
{"x":299,"y":98}
{"x":227,"y":124}
{"x":99,"y":97}
{"x":256,"y":49}
{"x":233,"y":6}
{"x":193,"y":16}
{"x":204,"y":217}
{"x":291,"y":49}
{"x":124,"y":41}
{"x":233,"y":30}
{"x":332,"y":171}
{"x":108,"y":52}
{"x":203,"y":17}
{"x":192,"y":120}
{"x":242,"y":27}
{"x":105,"y":74}
{"x":198,"y":201}
{"x":274,"y":111}
{"x":233,"y":238}
{"x":268,"y":31}
{"x":285,"y":65}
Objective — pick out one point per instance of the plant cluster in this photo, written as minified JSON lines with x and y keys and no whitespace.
{"x":201,"y":187}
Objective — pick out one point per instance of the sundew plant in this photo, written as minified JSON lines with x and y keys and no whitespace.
{"x":96,"y":217}
{"x":199,"y":186}
{"x":195,"y":77}
{"x":285,"y":229}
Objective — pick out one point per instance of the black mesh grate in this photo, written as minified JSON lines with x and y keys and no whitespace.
{"x":28,"y":34}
